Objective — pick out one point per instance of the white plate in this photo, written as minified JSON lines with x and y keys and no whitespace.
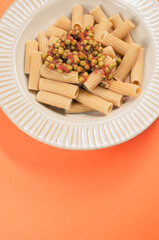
{"x":22,"y":21}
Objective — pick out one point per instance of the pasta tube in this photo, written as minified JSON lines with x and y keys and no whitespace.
{"x":79,"y":108}
{"x":98,"y":14}
{"x":94,"y":79}
{"x":128,"y":89}
{"x":137,"y":71}
{"x":29,"y":48}
{"x":118,"y":45}
{"x":53,"y":40}
{"x":54,"y":100}
{"x":35,"y":67}
{"x":88,"y":20}
{"x":94,"y":102}
{"x":64,"y":89}
{"x":123,"y":29}
{"x":115,"y":98}
{"x":109,"y":61}
{"x":104,"y":25}
{"x":43,"y":42}
{"x":116,"y":21}
{"x":77,"y":16}
{"x":109,"y":51}
{"x":64,"y":23}
{"x":127,"y":62}
{"x":95,"y":28}
{"x":71,"y":77}
{"x":53,"y":30}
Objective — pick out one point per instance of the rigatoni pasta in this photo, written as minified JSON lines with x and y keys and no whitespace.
{"x":104,"y":25}
{"x":94,"y":102}
{"x":77,"y":107}
{"x":53,"y":30}
{"x":30,"y":46}
{"x":115,"y":98}
{"x":127,"y":62}
{"x":98,"y":14}
{"x":61,"y":88}
{"x":54,"y":100}
{"x":43,"y":42}
{"x":137,"y":71}
{"x":128,"y":89}
{"x":118,"y":45}
{"x":77,"y":17}
{"x":35,"y":67}
{"x":117,"y":21}
{"x":55,"y":75}
{"x":52,"y":40}
{"x":123,"y":29}
{"x":87,"y":63}
{"x":94,"y":79}
{"x":64,"y":23}
{"x":88,"y":21}
{"x":109,"y":51}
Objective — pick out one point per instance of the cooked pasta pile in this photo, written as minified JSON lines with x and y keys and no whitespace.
{"x":85,"y":64}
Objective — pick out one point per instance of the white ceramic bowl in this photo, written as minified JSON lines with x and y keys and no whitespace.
{"x":22,"y":21}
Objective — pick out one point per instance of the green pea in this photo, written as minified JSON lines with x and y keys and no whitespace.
{"x":52,"y":66}
{"x":88,"y":28}
{"x":64,"y":38}
{"x":82,"y":56}
{"x":79,"y":69}
{"x":76,"y":60}
{"x":73,"y":47}
{"x":101,"y":64}
{"x":95,"y":53}
{"x":84,"y":42}
{"x":118,"y":61}
{"x":49,"y":59}
{"x":57,"y":45}
{"x":90,"y":42}
{"x":69,"y":67}
{"x":99,"y":55}
{"x":90,"y":57}
{"x":81,"y":79}
{"x":87,"y":67}
{"x":67,"y":42}
{"x":88,"y":48}
{"x":75,"y":67}
{"x":77,"y":32}
{"x":60,"y":60}
{"x":107,"y":70}
{"x":65,"y":55}
{"x":90,"y":34}
{"x":110,"y":76}
{"x":103,"y":57}
{"x":57,"y":55}
{"x":44,"y":56}
{"x":111,"y":66}
{"x":54,"y":51}
{"x":69,"y":61}
{"x":85,"y":74}
{"x":60,"y":50}
{"x":99,"y":45}
{"x":94,"y":62}
{"x":46,"y":63}
{"x":60,"y":70}
{"x":74,"y":42}
{"x":95,"y":44}
{"x":83,"y":63}
{"x":100,"y":49}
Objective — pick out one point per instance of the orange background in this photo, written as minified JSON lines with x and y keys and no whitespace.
{"x":54,"y":194}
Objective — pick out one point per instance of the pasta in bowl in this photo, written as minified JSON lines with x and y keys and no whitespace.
{"x":112,"y":110}
{"x":85,"y":61}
